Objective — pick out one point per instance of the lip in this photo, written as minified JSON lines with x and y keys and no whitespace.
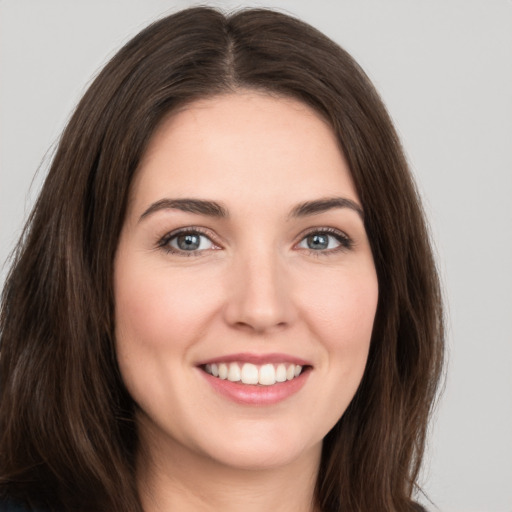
{"x":256,"y":395}
{"x":257,"y":359}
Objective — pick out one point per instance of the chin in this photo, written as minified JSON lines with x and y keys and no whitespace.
{"x":263,"y":448}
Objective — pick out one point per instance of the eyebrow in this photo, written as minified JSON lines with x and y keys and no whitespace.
{"x":322,"y":205}
{"x":214,"y":209}
{"x":199,"y":206}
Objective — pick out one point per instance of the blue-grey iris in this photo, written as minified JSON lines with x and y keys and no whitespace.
{"x":318,"y":241}
{"x":188,"y":242}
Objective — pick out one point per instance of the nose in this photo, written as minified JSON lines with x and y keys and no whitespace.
{"x":259,"y":294}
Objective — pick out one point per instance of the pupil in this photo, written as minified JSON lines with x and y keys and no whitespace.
{"x":318,"y":242}
{"x":188,"y":242}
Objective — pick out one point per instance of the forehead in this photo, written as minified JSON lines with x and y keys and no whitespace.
{"x":245,"y":145}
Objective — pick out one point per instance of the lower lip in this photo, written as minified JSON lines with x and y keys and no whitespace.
{"x":248,"y":394}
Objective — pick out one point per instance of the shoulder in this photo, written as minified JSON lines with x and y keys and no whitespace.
{"x":7,"y":505}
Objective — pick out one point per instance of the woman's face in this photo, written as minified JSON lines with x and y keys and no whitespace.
{"x":243,"y":256}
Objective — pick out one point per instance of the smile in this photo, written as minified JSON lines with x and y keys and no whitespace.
{"x":252,"y":379}
{"x":247,"y":373}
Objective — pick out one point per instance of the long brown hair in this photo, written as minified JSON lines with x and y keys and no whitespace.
{"x":67,"y":434}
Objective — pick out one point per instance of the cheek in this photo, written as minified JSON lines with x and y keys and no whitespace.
{"x":159,"y":307}
{"x":160,"y":313}
{"x":342,"y":308}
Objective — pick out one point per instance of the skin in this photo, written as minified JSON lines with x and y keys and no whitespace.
{"x":253,"y":286}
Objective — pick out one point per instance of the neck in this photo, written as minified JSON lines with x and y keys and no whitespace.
{"x":173,"y":478}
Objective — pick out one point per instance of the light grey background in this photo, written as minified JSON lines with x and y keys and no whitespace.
{"x":444,"y":69}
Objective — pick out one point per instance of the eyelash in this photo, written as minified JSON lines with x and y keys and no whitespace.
{"x":345,"y":242}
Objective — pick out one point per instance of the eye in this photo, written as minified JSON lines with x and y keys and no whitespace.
{"x":190,"y":242}
{"x":325,"y":241}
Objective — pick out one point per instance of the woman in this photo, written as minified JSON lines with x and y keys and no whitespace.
{"x":225,"y":296}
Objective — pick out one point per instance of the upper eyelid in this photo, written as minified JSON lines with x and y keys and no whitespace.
{"x":164,"y":240}
{"x":189,"y":229}
{"x":324,"y":229}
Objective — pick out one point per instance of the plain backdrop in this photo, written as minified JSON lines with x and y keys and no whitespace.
{"x":444,"y":69}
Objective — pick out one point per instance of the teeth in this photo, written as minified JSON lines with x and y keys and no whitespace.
{"x":281,"y":373}
{"x":223,"y":371}
{"x":249,"y":374}
{"x":265,"y":375}
{"x":234,"y":372}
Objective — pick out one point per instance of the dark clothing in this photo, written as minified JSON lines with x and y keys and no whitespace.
{"x":11,"y":506}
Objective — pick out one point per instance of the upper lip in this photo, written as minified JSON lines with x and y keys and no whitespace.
{"x":257,"y":359}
